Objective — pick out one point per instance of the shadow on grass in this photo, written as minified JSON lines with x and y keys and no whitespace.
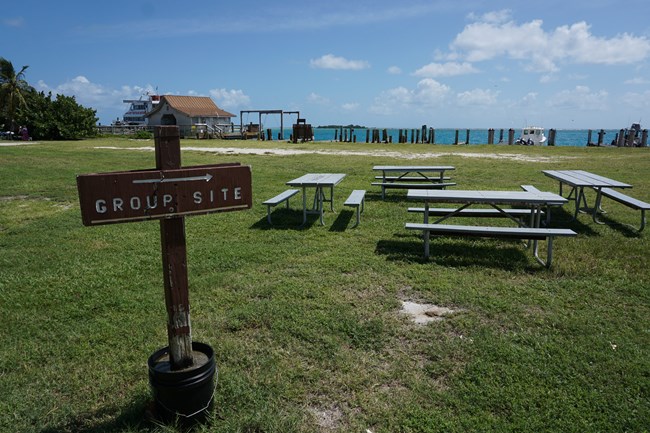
{"x":458,"y":252}
{"x":627,"y":230}
{"x":562,"y":219}
{"x":342,"y":221}
{"x":131,"y":418}
{"x":285,"y":219}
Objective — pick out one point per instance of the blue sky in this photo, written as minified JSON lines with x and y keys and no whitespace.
{"x":446,"y":63}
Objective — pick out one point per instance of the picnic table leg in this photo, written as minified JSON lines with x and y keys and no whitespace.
{"x":320,"y":193}
{"x":304,"y":205}
{"x":332,"y":198}
{"x":426,"y":232}
{"x":597,"y":208}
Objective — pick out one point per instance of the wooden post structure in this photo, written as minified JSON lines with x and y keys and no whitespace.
{"x":174,"y":258}
{"x":467,"y":137}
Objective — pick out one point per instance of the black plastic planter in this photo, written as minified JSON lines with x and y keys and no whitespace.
{"x":185,"y":394}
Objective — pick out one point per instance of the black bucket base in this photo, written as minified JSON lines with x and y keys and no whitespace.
{"x":183,"y":395}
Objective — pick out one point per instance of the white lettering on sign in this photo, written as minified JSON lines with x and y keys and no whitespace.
{"x":135,"y":203}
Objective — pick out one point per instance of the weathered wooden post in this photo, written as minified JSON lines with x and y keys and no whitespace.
{"x":169,"y":193}
{"x":501,"y":136}
{"x":601,"y":137}
{"x":490,"y":139}
{"x":456,"y":137}
{"x":551,"y":137}
{"x":621,"y":138}
{"x":589,"y":143}
{"x":630,"y":138}
{"x":174,"y":258}
{"x":432,"y":136}
{"x":644,"y":138}
{"x":511,"y":136}
{"x":467,"y":137}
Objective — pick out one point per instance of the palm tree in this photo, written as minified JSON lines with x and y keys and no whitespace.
{"x":13,"y":88}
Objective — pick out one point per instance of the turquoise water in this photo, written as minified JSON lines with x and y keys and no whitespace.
{"x":563,"y":137}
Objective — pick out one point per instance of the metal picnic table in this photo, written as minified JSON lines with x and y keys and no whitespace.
{"x":578,"y":180}
{"x":318,"y":181}
{"x":428,"y":175}
{"x":533,"y":200}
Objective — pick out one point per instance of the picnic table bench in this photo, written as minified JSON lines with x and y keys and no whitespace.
{"x":274,"y":201}
{"x":627,"y":201}
{"x":530,"y":233}
{"x":357,"y":200}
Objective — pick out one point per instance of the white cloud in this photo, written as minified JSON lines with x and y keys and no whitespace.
{"x":230,"y":98}
{"x":427,"y":94}
{"x":492,"y":36}
{"x":350,"y":106}
{"x":449,"y":69}
{"x":394,"y":70}
{"x":95,"y":95}
{"x":477,"y":97}
{"x":581,"y":98}
{"x":330,"y":61}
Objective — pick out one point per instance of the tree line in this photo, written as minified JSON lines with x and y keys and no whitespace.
{"x":45,"y":117}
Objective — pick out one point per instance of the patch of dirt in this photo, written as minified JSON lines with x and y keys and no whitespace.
{"x":328,"y":419}
{"x":423,"y":314}
{"x":374,"y":153}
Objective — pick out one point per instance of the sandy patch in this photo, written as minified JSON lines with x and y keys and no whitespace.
{"x":373,"y":153}
{"x":425,"y":313}
{"x":18,"y":143}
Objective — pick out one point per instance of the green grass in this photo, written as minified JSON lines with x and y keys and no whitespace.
{"x":305,"y":323}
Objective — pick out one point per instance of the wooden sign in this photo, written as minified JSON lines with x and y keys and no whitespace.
{"x":119,"y":197}
{"x":167,"y":193}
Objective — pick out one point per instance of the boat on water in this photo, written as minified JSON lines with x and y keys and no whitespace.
{"x":138,"y":108}
{"x":532,"y":136}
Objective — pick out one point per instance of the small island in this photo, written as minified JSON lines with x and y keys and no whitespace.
{"x":339,"y":126}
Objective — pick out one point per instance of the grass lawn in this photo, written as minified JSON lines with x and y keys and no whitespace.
{"x":306,"y":322}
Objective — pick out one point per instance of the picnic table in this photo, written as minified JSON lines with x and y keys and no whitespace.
{"x":412,"y":176}
{"x":319,"y":181}
{"x":534,"y":201}
{"x":578,"y":180}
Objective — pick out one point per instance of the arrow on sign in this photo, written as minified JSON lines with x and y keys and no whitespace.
{"x":206,"y":178}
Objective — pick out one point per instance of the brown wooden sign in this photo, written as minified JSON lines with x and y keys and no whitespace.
{"x":126,"y":196}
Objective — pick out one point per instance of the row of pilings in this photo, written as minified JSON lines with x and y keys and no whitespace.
{"x":425,"y":135}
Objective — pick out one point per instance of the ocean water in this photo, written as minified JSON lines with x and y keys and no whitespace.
{"x":563,"y":137}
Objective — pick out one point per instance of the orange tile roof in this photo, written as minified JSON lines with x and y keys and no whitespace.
{"x":193,"y":106}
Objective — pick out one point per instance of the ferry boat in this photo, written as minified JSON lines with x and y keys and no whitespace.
{"x":138,"y":108}
{"x":532,"y":136}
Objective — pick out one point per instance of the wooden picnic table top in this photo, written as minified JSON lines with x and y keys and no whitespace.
{"x":581,"y":178}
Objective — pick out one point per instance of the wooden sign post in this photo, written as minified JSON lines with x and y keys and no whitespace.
{"x":174,"y":259}
{"x":169,"y":193}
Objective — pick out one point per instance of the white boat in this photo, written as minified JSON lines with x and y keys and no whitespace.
{"x":138,"y":108}
{"x":532,"y":136}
